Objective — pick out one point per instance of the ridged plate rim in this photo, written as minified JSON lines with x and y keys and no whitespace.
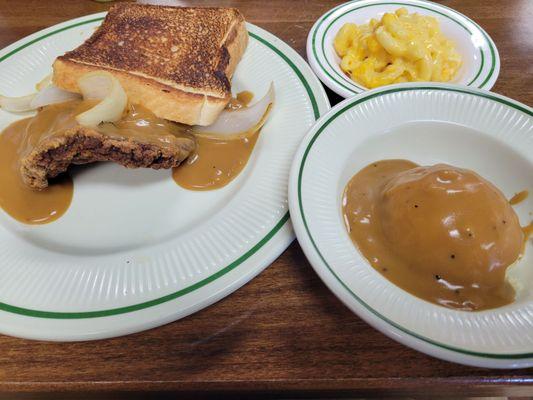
{"x":326,"y":270}
{"x":278,"y":238}
{"x":343,"y":86}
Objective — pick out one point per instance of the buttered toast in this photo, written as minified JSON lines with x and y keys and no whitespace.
{"x":175,"y":61}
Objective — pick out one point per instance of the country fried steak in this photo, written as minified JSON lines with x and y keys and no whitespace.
{"x":80,"y":145}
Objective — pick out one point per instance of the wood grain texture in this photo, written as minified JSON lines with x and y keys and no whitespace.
{"x":283,"y":334}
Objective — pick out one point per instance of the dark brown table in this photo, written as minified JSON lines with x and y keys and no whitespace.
{"x":284,"y":333}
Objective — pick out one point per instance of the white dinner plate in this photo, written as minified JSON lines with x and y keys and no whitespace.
{"x":135,"y":250}
{"x":427,"y":124}
{"x":481,"y":62}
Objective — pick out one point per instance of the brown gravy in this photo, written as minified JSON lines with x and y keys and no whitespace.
{"x":241,"y":100}
{"x":139,"y":122}
{"x":519,"y":197}
{"x":441,"y":233}
{"x":528,"y":231}
{"x":40,"y":207}
{"x":22,"y":203}
{"x":215,"y":162}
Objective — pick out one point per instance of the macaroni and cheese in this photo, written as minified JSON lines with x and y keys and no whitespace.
{"x":402,"y":47}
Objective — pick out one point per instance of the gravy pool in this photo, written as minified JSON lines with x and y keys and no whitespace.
{"x":215,"y":163}
{"x":217,"y":160}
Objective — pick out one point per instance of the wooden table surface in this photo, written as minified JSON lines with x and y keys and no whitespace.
{"x":284,"y":333}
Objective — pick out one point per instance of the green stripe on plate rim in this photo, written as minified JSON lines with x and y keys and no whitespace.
{"x":352,"y":83}
{"x":198,"y":285}
{"x":338,"y":279}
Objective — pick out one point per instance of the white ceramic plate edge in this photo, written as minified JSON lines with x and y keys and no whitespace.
{"x":120,"y":324}
{"x":365,"y":312}
{"x":322,"y":72}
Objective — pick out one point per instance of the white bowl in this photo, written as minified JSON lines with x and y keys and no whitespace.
{"x":481,"y":62}
{"x":427,"y":124}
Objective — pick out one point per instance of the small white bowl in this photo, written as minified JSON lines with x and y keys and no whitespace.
{"x":481,"y":62}
{"x":426,"y":123}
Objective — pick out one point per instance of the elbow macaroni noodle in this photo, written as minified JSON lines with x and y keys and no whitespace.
{"x":402,"y":47}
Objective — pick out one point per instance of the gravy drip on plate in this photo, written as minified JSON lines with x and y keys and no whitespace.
{"x":528,"y":231}
{"x":241,"y":100}
{"x":519,"y":197}
{"x":22,"y":203}
{"x":442,"y":233}
{"x":217,"y":160}
{"x":20,"y":138}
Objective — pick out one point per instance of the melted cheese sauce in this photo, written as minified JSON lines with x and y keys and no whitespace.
{"x":442,"y":233}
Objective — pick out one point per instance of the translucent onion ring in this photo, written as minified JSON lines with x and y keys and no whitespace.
{"x":102,"y":86}
{"x":242,"y":121}
{"x":46,"y":94}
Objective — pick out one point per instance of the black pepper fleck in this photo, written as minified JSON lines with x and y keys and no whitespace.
{"x":437,"y":277}
{"x":416,"y":205}
{"x":452,"y":256}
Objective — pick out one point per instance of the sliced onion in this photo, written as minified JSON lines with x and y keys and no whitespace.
{"x":241,"y":121}
{"x":102,"y":86}
{"x":52,"y":95}
{"x":45,"y":82}
{"x":47,"y":94}
{"x":17,"y":104}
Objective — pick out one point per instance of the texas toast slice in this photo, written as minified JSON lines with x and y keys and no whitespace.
{"x":175,"y":61}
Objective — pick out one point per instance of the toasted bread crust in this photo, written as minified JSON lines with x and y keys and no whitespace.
{"x":164,"y":101}
{"x":175,"y":61}
{"x":235,"y":43}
